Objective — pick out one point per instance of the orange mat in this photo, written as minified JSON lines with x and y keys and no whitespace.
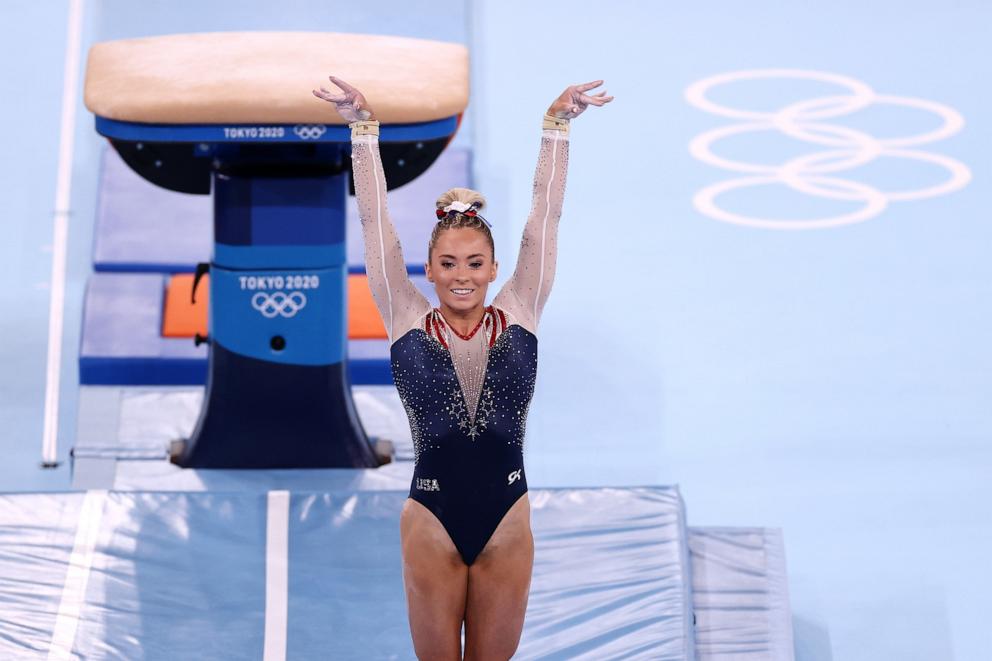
{"x":364,"y":322}
{"x":181,"y":317}
{"x":185,"y":319}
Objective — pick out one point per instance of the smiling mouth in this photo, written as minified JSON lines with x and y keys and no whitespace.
{"x":462,"y":292}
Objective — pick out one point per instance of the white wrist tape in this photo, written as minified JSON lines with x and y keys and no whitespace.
{"x":555,"y":123}
{"x":364,"y":127}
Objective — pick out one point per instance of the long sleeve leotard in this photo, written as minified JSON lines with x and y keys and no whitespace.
{"x":466,"y":400}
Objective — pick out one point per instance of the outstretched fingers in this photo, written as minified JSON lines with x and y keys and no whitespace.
{"x":328,"y":95}
{"x":573,"y":101}
{"x":585,"y":87}
{"x":349,"y":102}
{"x":596,"y":99}
{"x":343,"y":85}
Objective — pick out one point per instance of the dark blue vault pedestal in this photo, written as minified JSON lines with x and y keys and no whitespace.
{"x":277,"y":393}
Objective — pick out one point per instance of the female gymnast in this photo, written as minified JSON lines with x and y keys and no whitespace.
{"x":465,"y":373}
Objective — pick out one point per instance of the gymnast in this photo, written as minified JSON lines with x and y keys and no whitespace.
{"x":465,"y":373}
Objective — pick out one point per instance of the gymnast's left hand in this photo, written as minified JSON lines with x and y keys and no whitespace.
{"x":574,"y":100}
{"x":350,"y":104}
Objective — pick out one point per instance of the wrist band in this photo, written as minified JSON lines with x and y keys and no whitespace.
{"x":364,"y":127}
{"x":555,"y":123}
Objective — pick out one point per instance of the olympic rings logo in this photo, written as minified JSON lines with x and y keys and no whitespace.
{"x":272,"y":305}
{"x":309,"y":131}
{"x":847,"y":148}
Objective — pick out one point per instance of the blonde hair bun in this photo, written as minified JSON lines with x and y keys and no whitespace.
{"x":466,"y":196}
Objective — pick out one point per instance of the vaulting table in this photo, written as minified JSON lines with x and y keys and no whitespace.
{"x":232,"y":115}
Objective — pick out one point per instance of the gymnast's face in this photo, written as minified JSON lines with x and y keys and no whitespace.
{"x":461,"y":267}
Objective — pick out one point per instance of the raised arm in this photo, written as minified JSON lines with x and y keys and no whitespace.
{"x":525,"y":293}
{"x":399,"y":301}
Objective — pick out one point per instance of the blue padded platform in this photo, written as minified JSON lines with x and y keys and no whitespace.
{"x":183,"y":575}
{"x":143,"y":228}
{"x":121,"y":342}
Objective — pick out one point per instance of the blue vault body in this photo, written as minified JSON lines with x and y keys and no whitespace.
{"x":277,"y":392}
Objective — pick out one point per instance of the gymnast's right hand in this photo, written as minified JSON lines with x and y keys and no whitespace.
{"x":351,"y":105}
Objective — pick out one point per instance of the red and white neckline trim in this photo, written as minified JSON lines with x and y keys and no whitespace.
{"x":493,"y":319}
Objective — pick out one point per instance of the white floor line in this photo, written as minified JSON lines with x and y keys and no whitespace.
{"x":276,"y":575}
{"x":77,"y":576}
{"x":63,"y":189}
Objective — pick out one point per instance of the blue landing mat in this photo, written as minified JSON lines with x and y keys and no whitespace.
{"x":183,"y":575}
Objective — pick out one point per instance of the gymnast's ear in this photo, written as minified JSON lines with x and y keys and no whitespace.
{"x":427,"y":270}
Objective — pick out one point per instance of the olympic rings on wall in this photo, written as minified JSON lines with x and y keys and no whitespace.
{"x":811,"y":174}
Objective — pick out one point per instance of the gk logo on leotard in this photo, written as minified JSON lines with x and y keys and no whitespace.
{"x":427,"y":484}
{"x":514,"y":476}
{"x":271,"y":305}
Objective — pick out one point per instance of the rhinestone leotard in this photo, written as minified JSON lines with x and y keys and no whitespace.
{"x":466,"y":399}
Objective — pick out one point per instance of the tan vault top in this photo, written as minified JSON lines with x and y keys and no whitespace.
{"x":253,"y":77}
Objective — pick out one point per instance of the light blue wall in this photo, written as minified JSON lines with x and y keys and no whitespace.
{"x":667,"y":324}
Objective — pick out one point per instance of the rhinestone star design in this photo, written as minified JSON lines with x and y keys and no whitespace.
{"x":483,"y":413}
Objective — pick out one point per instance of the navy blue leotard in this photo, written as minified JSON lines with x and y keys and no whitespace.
{"x":469,"y":470}
{"x":466,"y":398}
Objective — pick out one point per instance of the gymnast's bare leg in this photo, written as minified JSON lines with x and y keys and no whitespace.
{"x":498,"y":587}
{"x":436,"y":582}
{"x":490,"y":595}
